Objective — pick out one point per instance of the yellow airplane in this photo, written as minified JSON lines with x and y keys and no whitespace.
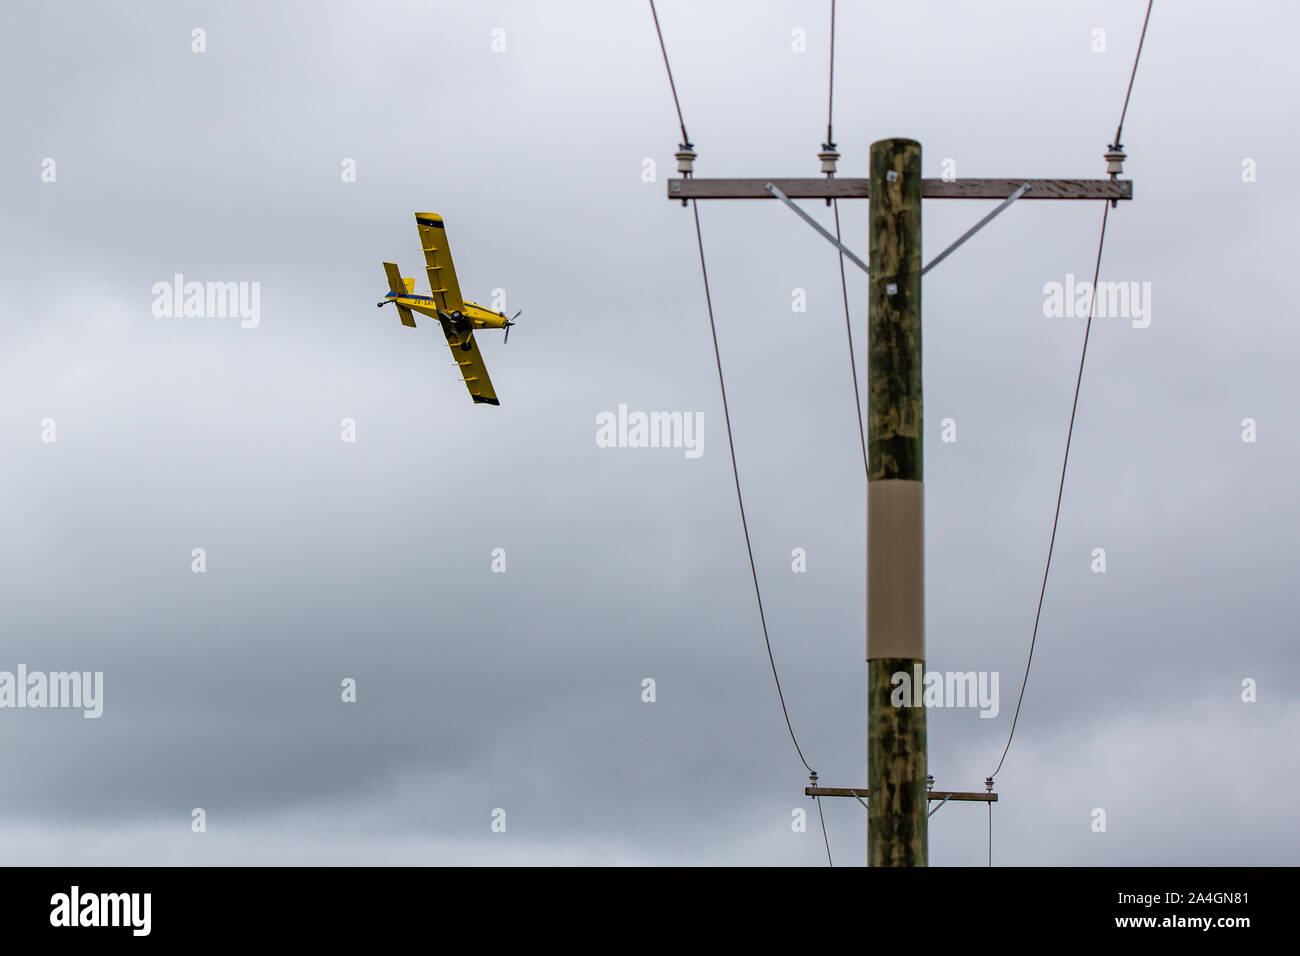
{"x":459,"y":318}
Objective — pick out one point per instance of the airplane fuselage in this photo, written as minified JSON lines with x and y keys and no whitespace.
{"x":472,"y":316}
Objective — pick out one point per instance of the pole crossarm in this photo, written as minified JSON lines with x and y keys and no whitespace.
{"x":835,"y":188}
{"x":861,"y":792}
{"x":818,"y":226}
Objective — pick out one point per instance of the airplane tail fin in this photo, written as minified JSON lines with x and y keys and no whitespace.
{"x":400,"y":286}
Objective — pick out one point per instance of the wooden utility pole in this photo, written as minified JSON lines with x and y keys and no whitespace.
{"x":898,"y":793}
{"x":896,"y":753}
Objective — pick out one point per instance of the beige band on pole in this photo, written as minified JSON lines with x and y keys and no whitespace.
{"x":895,"y":569}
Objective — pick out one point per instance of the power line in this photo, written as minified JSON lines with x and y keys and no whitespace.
{"x":825,"y":840}
{"x":726,"y":413}
{"x":735,"y":471}
{"x":853,"y":362}
{"x":830,"y":97}
{"x":1124,"y":112}
{"x":744,"y":524}
{"x":1059,"y":490}
{"x":844,"y":288}
{"x":686,"y":140}
{"x":1074,"y":407}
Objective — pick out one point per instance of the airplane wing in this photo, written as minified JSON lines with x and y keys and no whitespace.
{"x":437,"y":258}
{"x":398,"y":286}
{"x":473,"y":371}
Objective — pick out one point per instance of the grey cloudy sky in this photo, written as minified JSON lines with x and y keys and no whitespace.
{"x":522,"y":690}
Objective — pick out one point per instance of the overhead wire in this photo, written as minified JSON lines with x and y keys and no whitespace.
{"x":731,"y":445}
{"x":686,"y":140}
{"x":825,"y":840}
{"x":830,"y":96}
{"x":1119,"y":129}
{"x":1060,"y":490}
{"x":740,"y":500}
{"x":844,"y":287}
{"x":853,"y":362}
{"x":1074,"y":407}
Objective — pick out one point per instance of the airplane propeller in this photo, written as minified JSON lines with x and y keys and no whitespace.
{"x":509,"y":322}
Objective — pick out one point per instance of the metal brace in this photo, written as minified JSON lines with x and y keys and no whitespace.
{"x":940,"y":806}
{"x":976,"y":228}
{"x":816,"y":225}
